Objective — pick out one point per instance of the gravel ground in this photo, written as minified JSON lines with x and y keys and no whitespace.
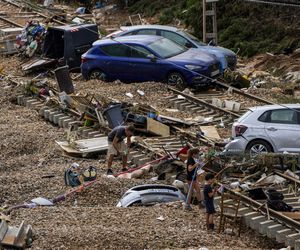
{"x":90,"y":220}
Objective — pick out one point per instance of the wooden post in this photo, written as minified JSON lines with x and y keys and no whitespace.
{"x":215,"y":30}
{"x":212,"y":13}
{"x":204,"y":20}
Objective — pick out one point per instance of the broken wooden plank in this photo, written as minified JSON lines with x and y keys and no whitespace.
{"x":157,"y":128}
{"x":210,"y":132}
{"x":292,"y":215}
{"x":10,"y":236}
{"x":85,"y":146}
{"x":176,"y":120}
{"x":3,"y":229}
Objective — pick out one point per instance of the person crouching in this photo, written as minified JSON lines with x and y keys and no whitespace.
{"x":117,"y":146}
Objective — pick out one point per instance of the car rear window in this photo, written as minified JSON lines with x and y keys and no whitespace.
{"x":244,"y":116}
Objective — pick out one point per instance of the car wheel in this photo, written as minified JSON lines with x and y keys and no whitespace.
{"x":176,"y":80}
{"x":97,"y":74}
{"x":255,"y":148}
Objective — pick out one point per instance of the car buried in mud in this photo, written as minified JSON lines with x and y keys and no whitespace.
{"x":148,"y":58}
{"x":146,"y":195}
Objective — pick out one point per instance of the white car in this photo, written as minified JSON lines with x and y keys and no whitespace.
{"x":270,"y":128}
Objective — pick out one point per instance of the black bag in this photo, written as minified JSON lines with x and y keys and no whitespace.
{"x":274,"y":195}
{"x":257,"y":194}
{"x":90,"y":174}
{"x":279,"y":205}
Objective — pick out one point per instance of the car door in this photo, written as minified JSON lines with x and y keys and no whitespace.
{"x":145,"y":68}
{"x":117,"y":63}
{"x":283,"y":128}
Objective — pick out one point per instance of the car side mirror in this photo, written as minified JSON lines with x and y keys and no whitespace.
{"x":189,"y":45}
{"x":152,"y":58}
{"x":211,"y":43}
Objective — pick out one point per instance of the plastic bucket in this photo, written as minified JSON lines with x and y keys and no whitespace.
{"x":64,"y":80}
{"x":113,"y":115}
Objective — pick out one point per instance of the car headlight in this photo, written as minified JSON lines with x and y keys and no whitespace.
{"x":193,"y":67}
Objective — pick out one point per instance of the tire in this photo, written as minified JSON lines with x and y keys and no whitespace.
{"x":257,"y":147}
{"x":175,"y":79}
{"x":97,"y":74}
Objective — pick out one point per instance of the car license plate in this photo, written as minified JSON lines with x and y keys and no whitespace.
{"x":213,"y":73}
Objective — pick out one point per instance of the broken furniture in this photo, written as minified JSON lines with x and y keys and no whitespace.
{"x":147,"y":195}
{"x":85,"y":147}
{"x":229,"y":212}
{"x":17,"y":237}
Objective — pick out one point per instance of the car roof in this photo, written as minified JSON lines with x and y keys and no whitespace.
{"x":73,"y":27}
{"x":137,"y":39}
{"x":276,"y":106}
{"x":135,"y":27}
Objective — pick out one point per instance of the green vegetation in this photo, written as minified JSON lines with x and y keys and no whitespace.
{"x":250,"y":27}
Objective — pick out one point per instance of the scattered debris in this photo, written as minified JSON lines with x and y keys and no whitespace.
{"x":160,"y":218}
{"x":85,"y":147}
{"x":20,"y":237}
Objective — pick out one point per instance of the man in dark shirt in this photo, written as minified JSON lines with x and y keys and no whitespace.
{"x":116,"y":145}
{"x":209,"y":193}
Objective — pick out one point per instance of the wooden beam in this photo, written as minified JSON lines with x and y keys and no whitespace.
{"x":11,"y":22}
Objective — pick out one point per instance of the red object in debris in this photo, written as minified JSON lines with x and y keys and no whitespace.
{"x":183,"y":151}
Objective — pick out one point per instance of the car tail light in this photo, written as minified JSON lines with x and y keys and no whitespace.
{"x":84,"y":59}
{"x":240,"y":129}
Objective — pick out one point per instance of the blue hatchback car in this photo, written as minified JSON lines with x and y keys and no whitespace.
{"x":227,"y":57}
{"x":148,"y":58}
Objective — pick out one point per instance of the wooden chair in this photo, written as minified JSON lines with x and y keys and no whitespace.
{"x":230,"y":205}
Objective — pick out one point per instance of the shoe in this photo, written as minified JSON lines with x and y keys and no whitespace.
{"x":109,"y":172}
{"x":211,"y":227}
{"x":188,"y":207}
{"x":200,"y":205}
{"x":124,"y":169}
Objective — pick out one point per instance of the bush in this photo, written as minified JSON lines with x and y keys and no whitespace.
{"x":253,"y":28}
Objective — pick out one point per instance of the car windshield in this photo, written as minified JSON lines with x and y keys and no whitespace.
{"x":190,"y":36}
{"x":165,"y":48}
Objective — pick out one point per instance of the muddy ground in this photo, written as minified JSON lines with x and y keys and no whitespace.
{"x":91,"y":220}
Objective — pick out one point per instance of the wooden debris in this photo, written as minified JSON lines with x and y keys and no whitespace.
{"x":157,"y":128}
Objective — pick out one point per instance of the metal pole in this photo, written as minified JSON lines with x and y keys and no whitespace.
{"x":204,"y":20}
{"x":215,"y":29}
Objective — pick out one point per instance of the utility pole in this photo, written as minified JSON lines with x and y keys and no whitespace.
{"x":209,"y":8}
